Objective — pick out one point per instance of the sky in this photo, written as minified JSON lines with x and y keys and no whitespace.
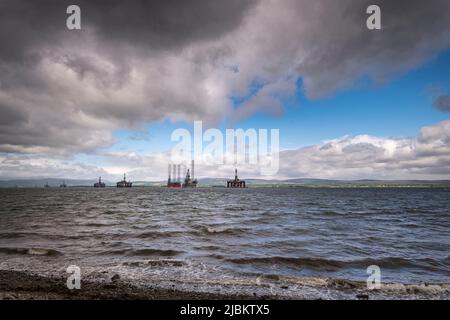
{"x":349,"y":102}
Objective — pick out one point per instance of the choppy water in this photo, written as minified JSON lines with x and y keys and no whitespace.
{"x":223,"y":234}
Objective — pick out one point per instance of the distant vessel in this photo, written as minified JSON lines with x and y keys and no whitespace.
{"x":47,"y":185}
{"x":100,"y":184}
{"x":124,"y":183}
{"x":236,"y":183}
{"x":63,"y":184}
{"x":190,"y":182}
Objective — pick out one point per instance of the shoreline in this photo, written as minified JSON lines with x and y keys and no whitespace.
{"x":20,"y":285}
{"x":24,"y":285}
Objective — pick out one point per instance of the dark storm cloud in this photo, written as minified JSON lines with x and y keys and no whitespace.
{"x":157,"y":24}
{"x":30,"y":30}
{"x":442,"y":103}
{"x":38,"y":55}
{"x":341,"y":51}
{"x":10,"y":116}
{"x":135,"y":62}
{"x":164,"y":24}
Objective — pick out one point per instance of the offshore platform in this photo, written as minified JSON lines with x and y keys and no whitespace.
{"x":124,"y":183}
{"x":236,"y":183}
{"x":174,"y":180}
{"x":99,"y":184}
{"x":190,"y":181}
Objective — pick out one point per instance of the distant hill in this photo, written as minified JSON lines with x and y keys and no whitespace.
{"x":221,"y":182}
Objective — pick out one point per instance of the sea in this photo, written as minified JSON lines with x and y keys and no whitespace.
{"x":280,"y":241}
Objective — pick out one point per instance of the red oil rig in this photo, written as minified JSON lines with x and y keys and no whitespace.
{"x":236,"y":183}
{"x":100,"y":184}
{"x":174,"y":181}
{"x":124,"y":183}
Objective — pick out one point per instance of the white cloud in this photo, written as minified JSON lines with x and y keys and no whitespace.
{"x":363,"y":157}
{"x":357,"y":157}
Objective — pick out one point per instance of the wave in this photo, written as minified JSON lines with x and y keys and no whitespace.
{"x":207,"y":247}
{"x":209,"y":230}
{"x":235,"y":209}
{"x":98,"y":224}
{"x":154,"y":252}
{"x":12,"y":235}
{"x":44,"y":235}
{"x":154,"y":263}
{"x":142,"y":252}
{"x":30,"y":251}
{"x":394,"y":289}
{"x":330,"y":213}
{"x":156,"y":235}
{"x":332,"y":265}
{"x":313,"y":263}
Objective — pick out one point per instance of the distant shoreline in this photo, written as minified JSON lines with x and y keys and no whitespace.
{"x":222,"y":182}
{"x":250,"y":186}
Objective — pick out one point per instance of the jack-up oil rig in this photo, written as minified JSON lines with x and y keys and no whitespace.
{"x":190,"y":181}
{"x":99,"y":184}
{"x":124,"y":183}
{"x":174,"y":180}
{"x":236,"y":183}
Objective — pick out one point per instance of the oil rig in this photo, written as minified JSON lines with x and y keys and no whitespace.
{"x":236,"y":183}
{"x":100,"y":184}
{"x":124,"y":183}
{"x":190,"y":181}
{"x":174,"y":180}
{"x":63,"y":184}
